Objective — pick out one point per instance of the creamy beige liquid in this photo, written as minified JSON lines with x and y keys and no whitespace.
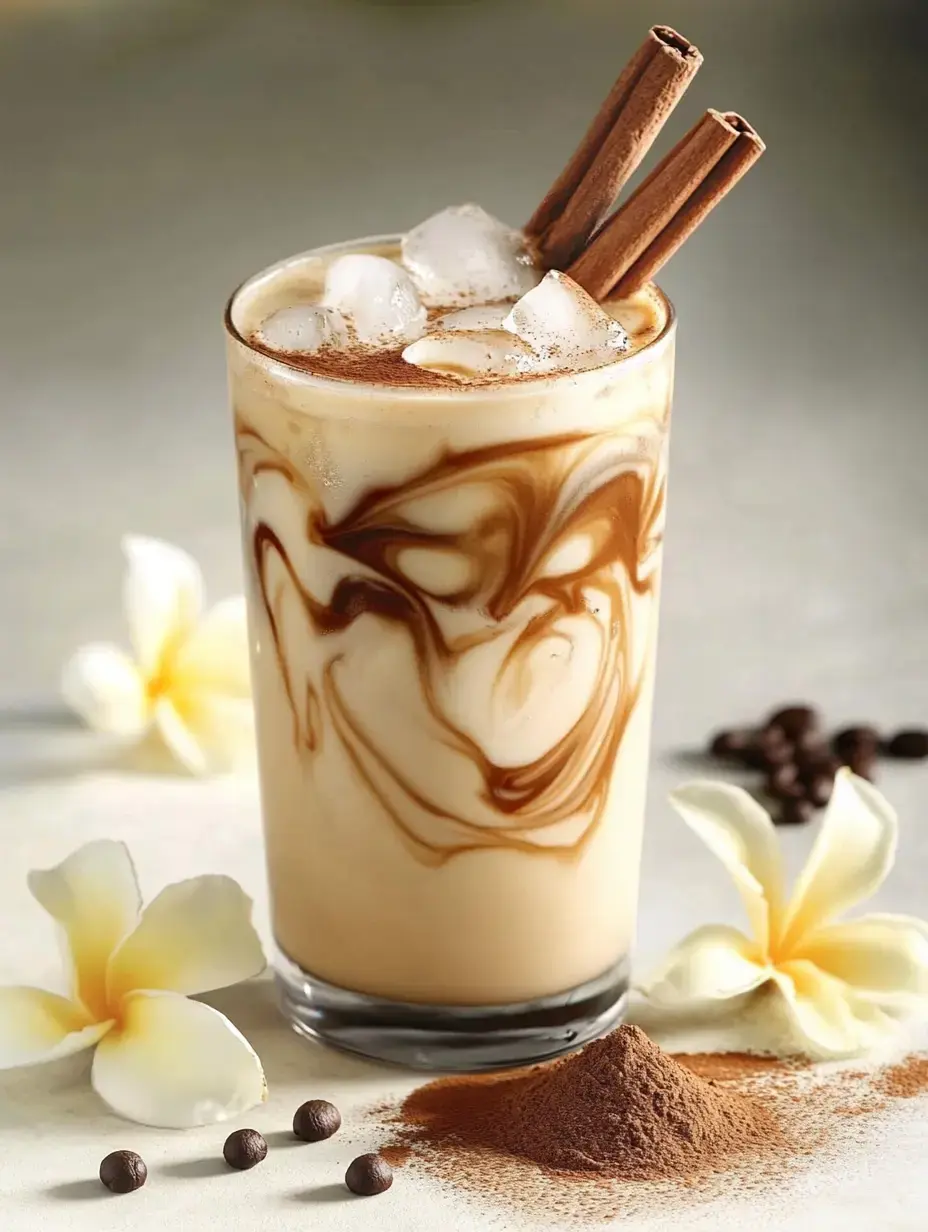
{"x":453,"y":600}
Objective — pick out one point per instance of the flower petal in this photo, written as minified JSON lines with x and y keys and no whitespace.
{"x":104,"y":686}
{"x":40,"y":1026}
{"x":225,"y":729}
{"x":179,"y":738}
{"x":853,"y":853}
{"x":711,"y":964}
{"x":208,"y":733}
{"x":163,"y":595}
{"x":737,"y":830}
{"x":94,"y":896}
{"x":195,"y":936}
{"x":831,"y":1018}
{"x":876,"y":954}
{"x":215,"y":658}
{"x":175,"y":1063}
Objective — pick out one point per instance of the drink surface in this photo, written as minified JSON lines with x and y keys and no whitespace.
{"x":362,"y":316}
{"x":453,"y":589}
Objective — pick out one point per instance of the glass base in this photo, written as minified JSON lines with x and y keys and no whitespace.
{"x":452,"y":1039}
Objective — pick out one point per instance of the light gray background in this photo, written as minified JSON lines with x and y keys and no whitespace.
{"x":153,"y":154}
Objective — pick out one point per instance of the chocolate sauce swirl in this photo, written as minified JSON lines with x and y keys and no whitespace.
{"x":481,"y":571}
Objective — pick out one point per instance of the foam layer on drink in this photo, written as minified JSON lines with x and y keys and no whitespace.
{"x":336,"y":316}
{"x":453,"y":598}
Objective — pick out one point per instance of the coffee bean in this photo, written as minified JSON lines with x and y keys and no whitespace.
{"x":731,"y":745}
{"x":776,"y":755}
{"x":819,"y":788}
{"x":817,"y":776}
{"x":811,"y":744}
{"x":123,"y":1171}
{"x":909,"y":745}
{"x":368,"y":1175}
{"x":794,"y":813}
{"x":794,"y":721}
{"x":783,"y":783}
{"x":316,"y":1120}
{"x":244,"y":1149}
{"x":862,"y":764}
{"x":812,"y":763}
{"x":768,"y":748}
{"x":852,"y":741}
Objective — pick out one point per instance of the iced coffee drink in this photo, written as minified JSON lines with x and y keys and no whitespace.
{"x":453,"y":467}
{"x":453,"y":546}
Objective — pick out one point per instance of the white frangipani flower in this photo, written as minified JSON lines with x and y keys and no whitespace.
{"x":840,"y":983}
{"x":161,"y":1059}
{"x":189,"y":677}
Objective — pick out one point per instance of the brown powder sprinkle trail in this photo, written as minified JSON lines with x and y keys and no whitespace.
{"x":736,"y":1066}
{"x":396,"y":1155}
{"x":907,"y":1079}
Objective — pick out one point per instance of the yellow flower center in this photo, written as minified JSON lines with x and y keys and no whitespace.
{"x":159,"y":685}
{"x":161,"y":682}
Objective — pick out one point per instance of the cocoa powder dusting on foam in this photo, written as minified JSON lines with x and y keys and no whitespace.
{"x":380,"y":366}
{"x":621,"y":1108}
{"x":364,"y":365}
{"x":645,"y":319}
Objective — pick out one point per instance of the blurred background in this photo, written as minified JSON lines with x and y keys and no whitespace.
{"x":155,"y":152}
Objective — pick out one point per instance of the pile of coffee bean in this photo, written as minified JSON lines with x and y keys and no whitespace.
{"x":799,"y":760}
{"x":124,"y":1171}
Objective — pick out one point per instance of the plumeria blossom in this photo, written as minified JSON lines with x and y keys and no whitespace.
{"x":160,"y":1058}
{"x":188,"y":675}
{"x":841,"y":983}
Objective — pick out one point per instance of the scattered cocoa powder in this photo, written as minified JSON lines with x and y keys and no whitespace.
{"x":905,"y":1080}
{"x":736,"y":1066}
{"x":395,"y":1155}
{"x":622,"y":1129}
{"x":620,"y":1108}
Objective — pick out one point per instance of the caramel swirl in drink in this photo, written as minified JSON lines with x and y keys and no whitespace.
{"x":534,"y":592}
{"x":453,"y":590}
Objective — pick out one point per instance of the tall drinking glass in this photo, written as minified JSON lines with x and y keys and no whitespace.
{"x":453,"y":600}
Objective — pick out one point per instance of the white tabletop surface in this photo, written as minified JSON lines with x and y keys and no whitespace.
{"x":157,"y":156}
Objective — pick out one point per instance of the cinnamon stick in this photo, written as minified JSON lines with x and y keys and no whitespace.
{"x":669,"y":204}
{"x":734,"y":163}
{"x":621,"y":134}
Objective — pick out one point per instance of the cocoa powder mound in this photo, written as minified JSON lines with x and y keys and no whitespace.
{"x":620,"y":1108}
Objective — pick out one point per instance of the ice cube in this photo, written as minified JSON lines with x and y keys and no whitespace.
{"x":564,"y":327}
{"x":487,"y":316}
{"x":470,"y":355}
{"x":377,"y":297}
{"x":304,"y":328}
{"x":464,"y":256}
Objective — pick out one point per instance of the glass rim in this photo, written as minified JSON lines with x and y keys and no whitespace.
{"x":525,"y":386}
